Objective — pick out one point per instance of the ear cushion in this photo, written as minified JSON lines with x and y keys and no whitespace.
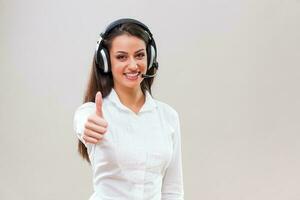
{"x":152,"y":56}
{"x":151,"y":53}
{"x":106,"y":60}
{"x":103,"y":59}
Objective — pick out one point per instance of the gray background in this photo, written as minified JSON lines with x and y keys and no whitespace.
{"x":230,"y":68}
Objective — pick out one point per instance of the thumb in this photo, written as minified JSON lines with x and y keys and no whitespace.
{"x":98,"y":101}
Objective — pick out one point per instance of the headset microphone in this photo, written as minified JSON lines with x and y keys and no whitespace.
{"x":155,"y":65}
{"x":148,"y":76}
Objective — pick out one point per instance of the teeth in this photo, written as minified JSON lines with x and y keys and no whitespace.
{"x":131,"y":74}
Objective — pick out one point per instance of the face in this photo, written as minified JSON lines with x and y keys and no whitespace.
{"x":128,"y":61}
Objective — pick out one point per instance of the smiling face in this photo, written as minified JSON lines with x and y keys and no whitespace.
{"x":128,"y":61}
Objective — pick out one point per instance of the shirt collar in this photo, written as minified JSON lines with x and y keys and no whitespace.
{"x":148,"y":105}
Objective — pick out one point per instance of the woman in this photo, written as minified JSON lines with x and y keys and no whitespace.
{"x":131,"y":140}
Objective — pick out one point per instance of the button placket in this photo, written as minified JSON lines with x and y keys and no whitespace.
{"x":132,"y":121}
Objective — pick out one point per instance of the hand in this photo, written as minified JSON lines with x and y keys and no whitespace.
{"x":96,"y":125}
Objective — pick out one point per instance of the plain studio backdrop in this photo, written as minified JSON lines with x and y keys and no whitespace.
{"x":230,"y":68}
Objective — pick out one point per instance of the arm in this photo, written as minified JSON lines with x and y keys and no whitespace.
{"x":80,"y":117}
{"x":172,"y":188}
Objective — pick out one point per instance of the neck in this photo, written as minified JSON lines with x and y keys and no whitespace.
{"x":131,"y":98}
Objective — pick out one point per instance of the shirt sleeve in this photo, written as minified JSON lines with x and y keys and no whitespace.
{"x":172,"y":188}
{"x":80,"y":117}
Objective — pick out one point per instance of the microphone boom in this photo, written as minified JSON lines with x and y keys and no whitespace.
{"x":148,"y":76}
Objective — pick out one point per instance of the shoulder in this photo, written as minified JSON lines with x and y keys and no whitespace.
{"x":168,"y":111}
{"x":85,"y":109}
{"x":86,"y":106}
{"x":89,"y":107}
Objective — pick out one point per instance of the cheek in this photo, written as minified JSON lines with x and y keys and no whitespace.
{"x":143,"y":65}
{"x":116,"y":70}
{"x":116,"y":67}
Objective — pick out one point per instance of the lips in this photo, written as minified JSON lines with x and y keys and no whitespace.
{"x":132,"y":75}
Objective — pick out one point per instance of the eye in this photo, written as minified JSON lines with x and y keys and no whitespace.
{"x":140,"y":55}
{"x":121,"y":57}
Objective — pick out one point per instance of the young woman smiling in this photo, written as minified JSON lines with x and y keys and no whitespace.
{"x":131,"y":140}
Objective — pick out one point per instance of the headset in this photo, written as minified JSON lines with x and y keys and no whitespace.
{"x":102,"y":58}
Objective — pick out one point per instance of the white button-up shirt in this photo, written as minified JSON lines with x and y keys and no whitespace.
{"x":139,"y":157}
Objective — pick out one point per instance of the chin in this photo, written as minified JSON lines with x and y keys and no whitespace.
{"x":130,"y":84}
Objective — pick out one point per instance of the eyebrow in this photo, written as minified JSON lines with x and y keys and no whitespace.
{"x":126,"y":52}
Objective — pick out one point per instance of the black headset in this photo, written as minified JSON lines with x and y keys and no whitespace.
{"x":102,"y":58}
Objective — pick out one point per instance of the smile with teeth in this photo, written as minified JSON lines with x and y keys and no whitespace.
{"x":132,"y":75}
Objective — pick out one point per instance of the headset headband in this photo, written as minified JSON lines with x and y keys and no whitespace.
{"x":123,"y":21}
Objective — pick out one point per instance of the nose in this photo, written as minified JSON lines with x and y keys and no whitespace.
{"x":132,"y":64}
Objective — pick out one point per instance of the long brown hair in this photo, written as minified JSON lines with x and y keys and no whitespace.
{"x":103,"y":82}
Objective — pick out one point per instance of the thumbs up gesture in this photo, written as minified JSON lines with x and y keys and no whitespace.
{"x":96,"y":125}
